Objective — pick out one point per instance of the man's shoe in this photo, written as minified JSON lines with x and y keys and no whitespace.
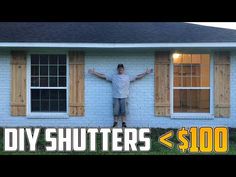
{"x":115,"y":125}
{"x":124,"y":125}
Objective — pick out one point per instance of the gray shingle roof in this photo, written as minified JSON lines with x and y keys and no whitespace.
{"x":112,"y":32}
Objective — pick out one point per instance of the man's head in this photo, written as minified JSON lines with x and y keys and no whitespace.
{"x":120,"y":69}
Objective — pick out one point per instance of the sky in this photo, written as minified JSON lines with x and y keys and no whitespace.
{"x":230,"y":25}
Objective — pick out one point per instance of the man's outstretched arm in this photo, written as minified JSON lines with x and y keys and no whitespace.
{"x":100,"y":75}
{"x":140,"y":76}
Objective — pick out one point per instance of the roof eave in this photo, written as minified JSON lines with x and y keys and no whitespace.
{"x":118,"y":45}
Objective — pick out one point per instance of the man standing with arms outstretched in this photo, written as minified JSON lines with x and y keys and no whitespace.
{"x":120,"y":90}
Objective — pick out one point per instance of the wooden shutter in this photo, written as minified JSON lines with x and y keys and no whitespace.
{"x":222,"y":84}
{"x":76,"y":103}
{"x":162,"y":84}
{"x":18,"y":83}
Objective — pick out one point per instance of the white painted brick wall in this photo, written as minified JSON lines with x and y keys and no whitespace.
{"x":98,"y":97}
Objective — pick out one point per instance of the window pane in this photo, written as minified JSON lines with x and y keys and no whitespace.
{"x":53,"y":59}
{"x":44,"y":94}
{"x":48,"y":71}
{"x":53,"y":82}
{"x":34,"y":70}
{"x":62,"y":59}
{"x":196,"y":82}
{"x":35,"y":94}
{"x":177,"y":103}
{"x":62,"y":102}
{"x":35,"y":106}
{"x":62,"y":94}
{"x":205,"y":81}
{"x":34,"y":59}
{"x":54,"y":106}
{"x":186,"y":59}
{"x":62,"y":70}
{"x":48,"y":65}
{"x":62,"y":81}
{"x":192,"y":101}
{"x":195,"y":70}
{"x":181,"y":103}
{"x":54,"y":94}
{"x":177,"y":82}
{"x":177,"y":70}
{"x":187,"y":70}
{"x":196,"y":59}
{"x":34,"y":81}
{"x":200,"y":100}
{"x":35,"y":100}
{"x":45,"y":106}
{"x":205,"y":59}
{"x":43,"y":70}
{"x":185,"y":100}
{"x":205,"y":76}
{"x":48,"y":100}
{"x":43,"y":81}
{"x":195,"y":73}
{"x":43,"y":59}
{"x":186,"y":81}
{"x":53,"y":70}
{"x":62,"y":106}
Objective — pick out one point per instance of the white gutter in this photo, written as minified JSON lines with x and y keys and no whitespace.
{"x":119,"y":45}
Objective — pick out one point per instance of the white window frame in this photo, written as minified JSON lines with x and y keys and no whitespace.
{"x":46,"y":115}
{"x":184,"y":115}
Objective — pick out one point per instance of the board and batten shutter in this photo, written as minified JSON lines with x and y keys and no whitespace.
{"x":162,"y":84}
{"x":222,"y":84}
{"x":76,"y":99}
{"x":18,"y":83}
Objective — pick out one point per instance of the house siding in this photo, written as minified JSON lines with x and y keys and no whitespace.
{"x":98,"y":95}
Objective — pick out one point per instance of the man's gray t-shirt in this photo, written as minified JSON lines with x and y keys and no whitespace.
{"x":120,"y":85}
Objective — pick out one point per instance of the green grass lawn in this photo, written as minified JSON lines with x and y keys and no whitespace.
{"x":156,"y":147}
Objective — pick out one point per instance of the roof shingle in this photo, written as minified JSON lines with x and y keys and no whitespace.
{"x":112,"y":32}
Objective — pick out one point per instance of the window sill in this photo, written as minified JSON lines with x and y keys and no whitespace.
{"x":193,"y":116}
{"x":48,"y":116}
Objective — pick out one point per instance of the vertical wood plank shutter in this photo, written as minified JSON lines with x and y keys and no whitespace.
{"x":222,"y":84}
{"x":18,"y":83}
{"x":76,"y":101}
{"x":162,"y":84}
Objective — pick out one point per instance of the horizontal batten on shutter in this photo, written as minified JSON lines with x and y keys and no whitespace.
{"x":162,"y":84}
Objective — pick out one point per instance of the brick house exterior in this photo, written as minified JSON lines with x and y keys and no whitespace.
{"x":102,"y":46}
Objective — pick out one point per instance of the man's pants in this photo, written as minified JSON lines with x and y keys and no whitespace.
{"x":120,"y":106}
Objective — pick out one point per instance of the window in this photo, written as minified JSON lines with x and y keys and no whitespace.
{"x":191,"y":83}
{"x":48,"y":85}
